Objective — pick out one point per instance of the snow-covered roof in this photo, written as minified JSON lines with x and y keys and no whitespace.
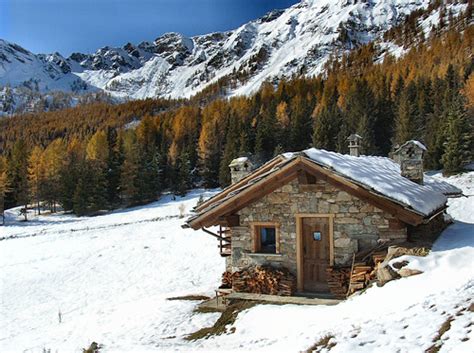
{"x":382,"y":175}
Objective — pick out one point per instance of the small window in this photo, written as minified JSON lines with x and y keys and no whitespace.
{"x":265,"y":239}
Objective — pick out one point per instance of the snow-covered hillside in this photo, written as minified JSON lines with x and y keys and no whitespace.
{"x":282,"y":43}
{"x":109,"y":277}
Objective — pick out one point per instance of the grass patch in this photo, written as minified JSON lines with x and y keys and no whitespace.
{"x":207,"y":310}
{"x":93,"y":348}
{"x":323,"y":343}
{"x":446,"y":325}
{"x":190,"y":297}
{"x":228,"y":317}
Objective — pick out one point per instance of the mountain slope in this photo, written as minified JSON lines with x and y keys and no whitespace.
{"x":283,"y":43}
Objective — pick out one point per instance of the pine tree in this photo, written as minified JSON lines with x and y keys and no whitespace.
{"x":459,"y":142}
{"x":405,"y":126}
{"x":130,"y":170}
{"x":210,"y":154}
{"x":114,"y":162}
{"x":231,"y":151}
{"x":327,"y":124}
{"x":360,"y":113}
{"x":184,"y":174}
{"x":97,"y":156}
{"x":36,"y":176}
{"x":301,"y":123}
{"x":71,"y":173}
{"x":3,"y":187}
{"x":82,"y":193}
{"x":18,"y":176}
{"x":54,"y":162}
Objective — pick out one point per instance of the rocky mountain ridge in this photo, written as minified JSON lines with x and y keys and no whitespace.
{"x":281,"y":44}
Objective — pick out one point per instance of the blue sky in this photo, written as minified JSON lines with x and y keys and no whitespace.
{"x":66,"y":26}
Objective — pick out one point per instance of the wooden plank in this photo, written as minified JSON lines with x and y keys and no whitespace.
{"x":299,"y":256}
{"x":283,"y":299}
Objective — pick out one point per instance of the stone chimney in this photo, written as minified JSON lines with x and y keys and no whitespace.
{"x":354,"y":144}
{"x":410,"y":157}
{"x":240,"y":168}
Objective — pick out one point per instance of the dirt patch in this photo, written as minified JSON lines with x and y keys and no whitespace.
{"x":441,"y":331}
{"x":323,"y":343}
{"x":227,"y":318}
{"x":190,"y":297}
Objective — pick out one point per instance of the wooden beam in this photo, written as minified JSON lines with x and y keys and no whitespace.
{"x":299,"y":256}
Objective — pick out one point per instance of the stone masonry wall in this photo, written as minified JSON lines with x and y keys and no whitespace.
{"x":357,"y":224}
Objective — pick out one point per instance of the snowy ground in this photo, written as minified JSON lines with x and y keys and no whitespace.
{"x":110,"y":276}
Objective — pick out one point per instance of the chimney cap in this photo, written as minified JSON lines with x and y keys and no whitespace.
{"x":413,"y":143}
{"x":354,"y":137}
{"x":239,"y":161}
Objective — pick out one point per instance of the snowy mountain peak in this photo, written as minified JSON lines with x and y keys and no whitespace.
{"x":282,"y":43}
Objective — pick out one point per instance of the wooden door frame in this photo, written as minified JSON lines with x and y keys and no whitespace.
{"x":299,"y":243}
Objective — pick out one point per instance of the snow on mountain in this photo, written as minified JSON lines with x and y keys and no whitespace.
{"x":282,"y":43}
{"x":67,"y":281}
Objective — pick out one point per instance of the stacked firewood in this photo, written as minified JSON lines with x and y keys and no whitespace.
{"x":226,"y":280}
{"x":360,"y":277}
{"x":264,"y":280}
{"x":338,"y":281}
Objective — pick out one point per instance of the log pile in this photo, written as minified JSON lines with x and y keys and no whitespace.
{"x":360,"y":277}
{"x":338,"y":281}
{"x":226,"y":280}
{"x":264,"y":280}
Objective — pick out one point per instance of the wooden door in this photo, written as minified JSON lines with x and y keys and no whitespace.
{"x":315,"y":234}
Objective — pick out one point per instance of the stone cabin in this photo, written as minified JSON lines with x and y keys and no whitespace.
{"x":314,"y":209}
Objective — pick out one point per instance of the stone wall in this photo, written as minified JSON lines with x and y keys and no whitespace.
{"x":357,"y":224}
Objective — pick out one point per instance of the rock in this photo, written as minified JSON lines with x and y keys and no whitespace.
{"x":385,"y":274}
{"x":342,"y":242}
{"x":399,"y":265}
{"x":407,"y":272}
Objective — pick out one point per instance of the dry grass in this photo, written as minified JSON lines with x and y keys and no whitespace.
{"x":323,"y":343}
{"x":227,"y":318}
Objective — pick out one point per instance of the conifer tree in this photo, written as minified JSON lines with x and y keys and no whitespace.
{"x":209,"y":154}
{"x":114,"y":162}
{"x":405,"y":126}
{"x":326,"y":126}
{"x":97,"y":156}
{"x":18,"y":176}
{"x":360,"y":114}
{"x":36,"y":176}
{"x":301,"y":123}
{"x":3,"y":187}
{"x":71,"y":173}
{"x":54,"y":162}
{"x":130,"y":170}
{"x":459,"y":142}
